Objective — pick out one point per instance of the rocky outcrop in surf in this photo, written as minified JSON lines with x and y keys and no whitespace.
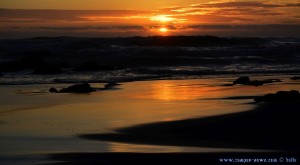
{"x":280,"y":96}
{"x":245,"y":80}
{"x":77,"y":88}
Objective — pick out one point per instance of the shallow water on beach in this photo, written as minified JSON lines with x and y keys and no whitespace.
{"x":34,"y":121}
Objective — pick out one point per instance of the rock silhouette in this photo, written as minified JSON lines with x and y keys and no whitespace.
{"x":242,"y":80}
{"x":255,"y":83}
{"x":111,"y":84}
{"x":77,"y":88}
{"x":292,"y":95}
{"x":53,"y":90}
{"x":245,"y":80}
{"x":295,"y":78}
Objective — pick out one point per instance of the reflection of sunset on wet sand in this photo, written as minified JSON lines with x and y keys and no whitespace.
{"x":135,"y":103}
{"x":168,"y":91}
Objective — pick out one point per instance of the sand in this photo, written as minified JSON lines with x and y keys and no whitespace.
{"x":35,"y":122}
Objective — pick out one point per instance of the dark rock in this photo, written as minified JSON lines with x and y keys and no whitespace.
{"x":53,"y":90}
{"x":271,"y":81}
{"x":256,"y":83}
{"x":92,"y":66}
{"x":262,"y":82}
{"x":78,"y":88}
{"x":111,"y":84}
{"x":245,"y":80}
{"x":295,"y":78}
{"x":292,"y":95}
{"x":47,"y":69}
{"x":242,"y":80}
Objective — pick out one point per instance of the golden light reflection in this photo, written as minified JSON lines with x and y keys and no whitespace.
{"x":168,"y":90}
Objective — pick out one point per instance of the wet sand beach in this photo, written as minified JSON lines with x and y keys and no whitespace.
{"x":199,"y":119}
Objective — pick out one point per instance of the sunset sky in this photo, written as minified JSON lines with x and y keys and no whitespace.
{"x":94,"y":18}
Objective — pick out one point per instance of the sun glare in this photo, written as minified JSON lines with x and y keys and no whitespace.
{"x":162,"y":18}
{"x":163,"y":30}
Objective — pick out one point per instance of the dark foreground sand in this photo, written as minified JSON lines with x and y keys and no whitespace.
{"x":271,"y":126}
{"x":173,"y":158}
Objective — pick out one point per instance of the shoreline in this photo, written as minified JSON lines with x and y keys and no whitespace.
{"x":254,"y":129}
{"x":146,"y":78}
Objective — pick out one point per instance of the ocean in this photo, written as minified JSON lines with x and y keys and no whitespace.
{"x":145,"y":58}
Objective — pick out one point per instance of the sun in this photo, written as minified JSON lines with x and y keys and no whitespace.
{"x":162,"y":18}
{"x":163,"y":30}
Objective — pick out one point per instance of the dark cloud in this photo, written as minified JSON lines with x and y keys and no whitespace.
{"x":217,"y":17}
{"x":240,"y":4}
{"x":170,"y":27}
{"x":248,"y":27}
{"x":293,"y":5}
{"x":250,"y":30}
{"x":269,"y":30}
{"x":247,"y":11}
{"x":86,"y":28}
{"x":31,"y":16}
